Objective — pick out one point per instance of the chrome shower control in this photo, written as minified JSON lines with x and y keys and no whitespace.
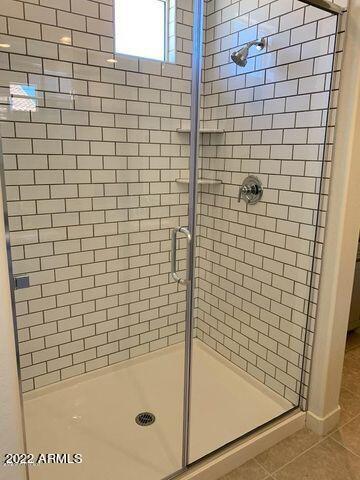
{"x":251,"y":191}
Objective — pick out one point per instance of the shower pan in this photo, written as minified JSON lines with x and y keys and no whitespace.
{"x":165,"y":223}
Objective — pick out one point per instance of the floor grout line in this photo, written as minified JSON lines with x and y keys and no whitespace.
{"x":297,"y":456}
{"x":351,"y":348}
{"x":347,"y":389}
{"x":329,"y":436}
{"x":262,"y":466}
{"x":326,"y":437}
{"x":351,"y":420}
{"x":356,"y":395}
{"x":346,"y":423}
{"x":345,"y":447}
{"x":321,"y":440}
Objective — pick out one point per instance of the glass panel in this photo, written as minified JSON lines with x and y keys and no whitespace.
{"x":91,"y":158}
{"x":267,"y":118}
{"x":96,"y":163}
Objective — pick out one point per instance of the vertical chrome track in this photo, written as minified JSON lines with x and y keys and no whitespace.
{"x":12,"y":291}
{"x":303,"y":395}
{"x":193,"y":175}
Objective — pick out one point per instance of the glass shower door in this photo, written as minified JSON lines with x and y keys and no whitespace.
{"x":141,"y":348}
{"x":265,"y":150}
{"x":93,"y":158}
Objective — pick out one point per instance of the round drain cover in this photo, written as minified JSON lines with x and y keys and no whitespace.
{"x":144,"y":419}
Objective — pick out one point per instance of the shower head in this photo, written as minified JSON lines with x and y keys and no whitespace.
{"x":240,"y":57}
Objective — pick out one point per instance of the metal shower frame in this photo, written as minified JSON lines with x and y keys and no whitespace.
{"x":193,"y":193}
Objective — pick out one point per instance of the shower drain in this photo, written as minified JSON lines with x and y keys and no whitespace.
{"x":145,"y":419}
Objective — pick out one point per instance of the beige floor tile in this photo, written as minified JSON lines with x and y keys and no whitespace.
{"x":350,"y":406}
{"x":251,"y":470}
{"x":287,"y":450}
{"x":351,"y":371}
{"x":349,"y":435}
{"x":352,"y":383}
{"x":353,"y":354}
{"x":326,"y":461}
{"x":305,"y":455}
{"x":353,"y":339}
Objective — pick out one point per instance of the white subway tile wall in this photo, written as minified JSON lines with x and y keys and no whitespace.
{"x":92,"y":196}
{"x":255,"y":262}
{"x":90,"y":177}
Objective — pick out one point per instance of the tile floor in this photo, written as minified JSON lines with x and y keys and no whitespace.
{"x":305,"y":455}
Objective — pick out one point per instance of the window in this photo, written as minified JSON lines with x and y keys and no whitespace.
{"x":142,"y":28}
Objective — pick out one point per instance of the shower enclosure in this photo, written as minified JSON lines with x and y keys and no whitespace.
{"x":165,"y":216}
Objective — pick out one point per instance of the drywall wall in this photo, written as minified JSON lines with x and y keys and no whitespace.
{"x":10,"y":409}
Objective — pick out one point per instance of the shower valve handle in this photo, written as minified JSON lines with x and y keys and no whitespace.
{"x":251,"y":191}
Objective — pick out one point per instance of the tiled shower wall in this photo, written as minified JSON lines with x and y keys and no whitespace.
{"x":255,"y":262}
{"x":92,"y":194}
{"x":91,"y":188}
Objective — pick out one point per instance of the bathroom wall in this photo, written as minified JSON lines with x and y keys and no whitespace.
{"x":90,"y":177}
{"x":11,"y":422}
{"x":255,"y":262}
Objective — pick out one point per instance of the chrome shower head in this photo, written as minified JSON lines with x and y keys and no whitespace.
{"x":240,"y":57}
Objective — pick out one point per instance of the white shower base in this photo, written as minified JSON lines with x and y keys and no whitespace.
{"x":94,"y":415}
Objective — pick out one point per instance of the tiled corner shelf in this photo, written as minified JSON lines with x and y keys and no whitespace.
{"x":202,"y":130}
{"x":201,"y":181}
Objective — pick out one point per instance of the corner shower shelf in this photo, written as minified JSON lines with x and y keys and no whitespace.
{"x":201,"y":181}
{"x":202,"y":130}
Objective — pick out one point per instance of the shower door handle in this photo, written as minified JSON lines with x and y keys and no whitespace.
{"x":174,"y":275}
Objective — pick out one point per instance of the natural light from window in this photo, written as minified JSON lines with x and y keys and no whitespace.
{"x":140,"y":27}
{"x":23,"y":98}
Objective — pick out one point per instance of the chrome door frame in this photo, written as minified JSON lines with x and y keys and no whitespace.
{"x":303,"y":395}
{"x":12,"y":296}
{"x":193,"y":193}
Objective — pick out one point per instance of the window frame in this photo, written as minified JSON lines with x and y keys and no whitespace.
{"x":166,"y":30}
